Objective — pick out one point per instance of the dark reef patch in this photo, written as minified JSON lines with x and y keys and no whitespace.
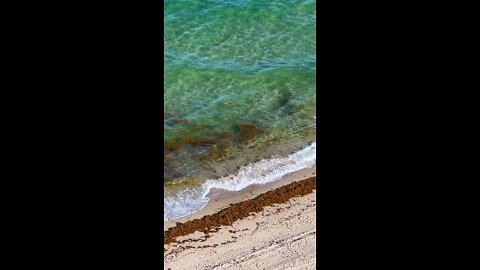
{"x":202,"y":143}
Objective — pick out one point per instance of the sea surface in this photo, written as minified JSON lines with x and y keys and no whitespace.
{"x":239,"y":96}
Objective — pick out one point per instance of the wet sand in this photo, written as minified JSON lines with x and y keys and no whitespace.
{"x":262,"y":227}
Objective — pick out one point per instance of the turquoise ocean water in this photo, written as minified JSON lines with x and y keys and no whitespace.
{"x":239,"y":89}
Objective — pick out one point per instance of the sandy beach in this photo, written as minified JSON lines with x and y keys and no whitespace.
{"x":269,"y":226}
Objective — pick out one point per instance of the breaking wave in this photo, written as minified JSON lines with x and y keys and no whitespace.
{"x":189,"y":201}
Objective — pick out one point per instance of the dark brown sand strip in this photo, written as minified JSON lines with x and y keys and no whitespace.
{"x":241,"y":210}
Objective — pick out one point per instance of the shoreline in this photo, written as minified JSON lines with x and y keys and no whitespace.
{"x":269,"y":170}
{"x":221,"y":199}
{"x":271,"y":226}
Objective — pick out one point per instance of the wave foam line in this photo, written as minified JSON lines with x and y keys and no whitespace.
{"x":189,"y":201}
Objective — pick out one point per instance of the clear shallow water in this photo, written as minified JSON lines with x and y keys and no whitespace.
{"x":239,"y":88}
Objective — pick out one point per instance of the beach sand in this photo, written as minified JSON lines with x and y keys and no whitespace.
{"x":224,"y":235}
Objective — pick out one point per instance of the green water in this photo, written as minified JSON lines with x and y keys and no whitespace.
{"x":239,"y":84}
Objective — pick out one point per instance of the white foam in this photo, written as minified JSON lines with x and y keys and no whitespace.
{"x":265,"y":171}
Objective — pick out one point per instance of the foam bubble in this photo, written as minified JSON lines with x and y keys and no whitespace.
{"x":189,"y":201}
